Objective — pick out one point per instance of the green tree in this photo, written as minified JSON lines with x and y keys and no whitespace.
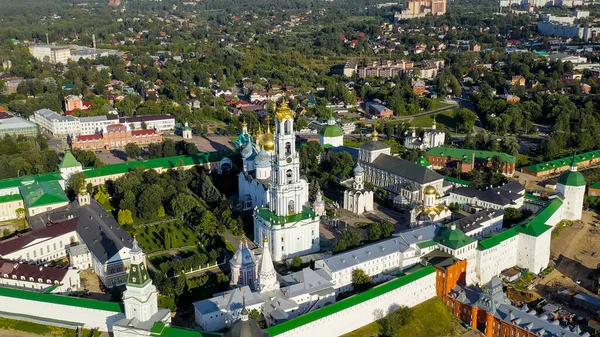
{"x":124,"y":217}
{"x":161,"y":211}
{"x":342,"y":165}
{"x":465,"y":120}
{"x":133,"y":151}
{"x":128,"y":201}
{"x":387,"y":229}
{"x":391,"y":323}
{"x":208,"y":223}
{"x":374,"y":232}
{"x":254,"y":314}
{"x":116,"y":294}
{"x":512,"y":216}
{"x":296,"y":263}
{"x":361,"y":281}
{"x":102,"y":195}
{"x":76,"y":183}
{"x":183,"y":203}
{"x":149,"y":202}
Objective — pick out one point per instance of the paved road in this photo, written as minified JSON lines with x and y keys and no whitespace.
{"x":453,"y":105}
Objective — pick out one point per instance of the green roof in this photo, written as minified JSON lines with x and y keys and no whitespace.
{"x":536,"y":227}
{"x":595,"y":185}
{"x":16,"y":182}
{"x":68,"y":161}
{"x":10,"y":197}
{"x":453,"y":238}
{"x":138,"y":276}
{"x":165,"y":163}
{"x":571,"y":178}
{"x":43,"y":193}
{"x":467,"y":154}
{"x":457,"y":181}
{"x":426,"y":244}
{"x":533,"y":197}
{"x":160,"y":329}
{"x":332,"y":131}
{"x":423,"y":162}
{"x":62,"y":300}
{"x":269,"y":216}
{"x":562,"y":162}
{"x":497,"y":239}
{"x":349,"y":302}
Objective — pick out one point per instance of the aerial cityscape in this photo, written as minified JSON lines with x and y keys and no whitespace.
{"x":211,"y":168}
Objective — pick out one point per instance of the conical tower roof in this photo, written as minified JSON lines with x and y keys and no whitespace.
{"x":68,"y":161}
{"x":267,"y":277}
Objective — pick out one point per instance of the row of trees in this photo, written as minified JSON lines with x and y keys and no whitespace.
{"x":20,"y":156}
{"x":352,"y":239}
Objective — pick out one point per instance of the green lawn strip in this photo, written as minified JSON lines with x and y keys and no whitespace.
{"x":432,"y":310}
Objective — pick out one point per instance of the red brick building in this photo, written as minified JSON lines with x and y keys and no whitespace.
{"x":488,"y":309}
{"x":116,"y":136}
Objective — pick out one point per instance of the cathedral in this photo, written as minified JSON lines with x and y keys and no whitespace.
{"x":257,"y":287}
{"x":357,"y":198}
{"x":406,"y":181}
{"x":271,"y":185}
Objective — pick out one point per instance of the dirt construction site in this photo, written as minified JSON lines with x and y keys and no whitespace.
{"x":575,"y":253}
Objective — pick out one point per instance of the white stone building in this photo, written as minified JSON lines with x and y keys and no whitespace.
{"x":430,"y":210}
{"x":56,"y":124}
{"x":526,"y":246}
{"x":431,"y":138}
{"x":405,"y":180}
{"x":140,"y":300}
{"x":571,"y":184}
{"x":304,"y":291}
{"x":331,"y":134}
{"x":291,"y":227}
{"x":41,"y":278}
{"x":511,"y":195}
{"x":357,"y":198}
{"x":244,"y":267}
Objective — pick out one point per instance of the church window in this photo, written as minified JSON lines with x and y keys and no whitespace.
{"x":291,"y":207}
{"x":134,"y":279}
{"x":289,"y":175}
{"x":133,"y":268}
{"x":288,"y":127}
{"x":288,"y":148}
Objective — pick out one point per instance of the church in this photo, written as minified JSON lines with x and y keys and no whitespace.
{"x":357,"y":198}
{"x":431,"y":138}
{"x":257,"y":286}
{"x":332,"y":134}
{"x":272,"y":185}
{"x":404,"y":179}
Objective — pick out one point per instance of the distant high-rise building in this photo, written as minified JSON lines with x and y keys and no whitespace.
{"x":420,"y":8}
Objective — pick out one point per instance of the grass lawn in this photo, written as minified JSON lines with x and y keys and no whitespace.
{"x":523,"y":282}
{"x":559,"y":227}
{"x":152,"y":238}
{"x":42,"y":330}
{"x":437,"y":103}
{"x":429,"y":319}
{"x":351,"y":142}
{"x":445,"y":118}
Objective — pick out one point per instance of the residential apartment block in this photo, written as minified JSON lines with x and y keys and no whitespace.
{"x":384,"y":68}
{"x":59,"y":125}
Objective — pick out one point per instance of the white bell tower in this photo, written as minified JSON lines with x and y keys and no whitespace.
{"x":140,"y":298}
{"x":288,"y":192}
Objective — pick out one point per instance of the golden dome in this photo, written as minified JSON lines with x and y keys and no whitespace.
{"x":268,"y":140}
{"x":284,"y":112}
{"x":375,"y":134}
{"x":429,"y":190}
{"x":244,"y":124}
